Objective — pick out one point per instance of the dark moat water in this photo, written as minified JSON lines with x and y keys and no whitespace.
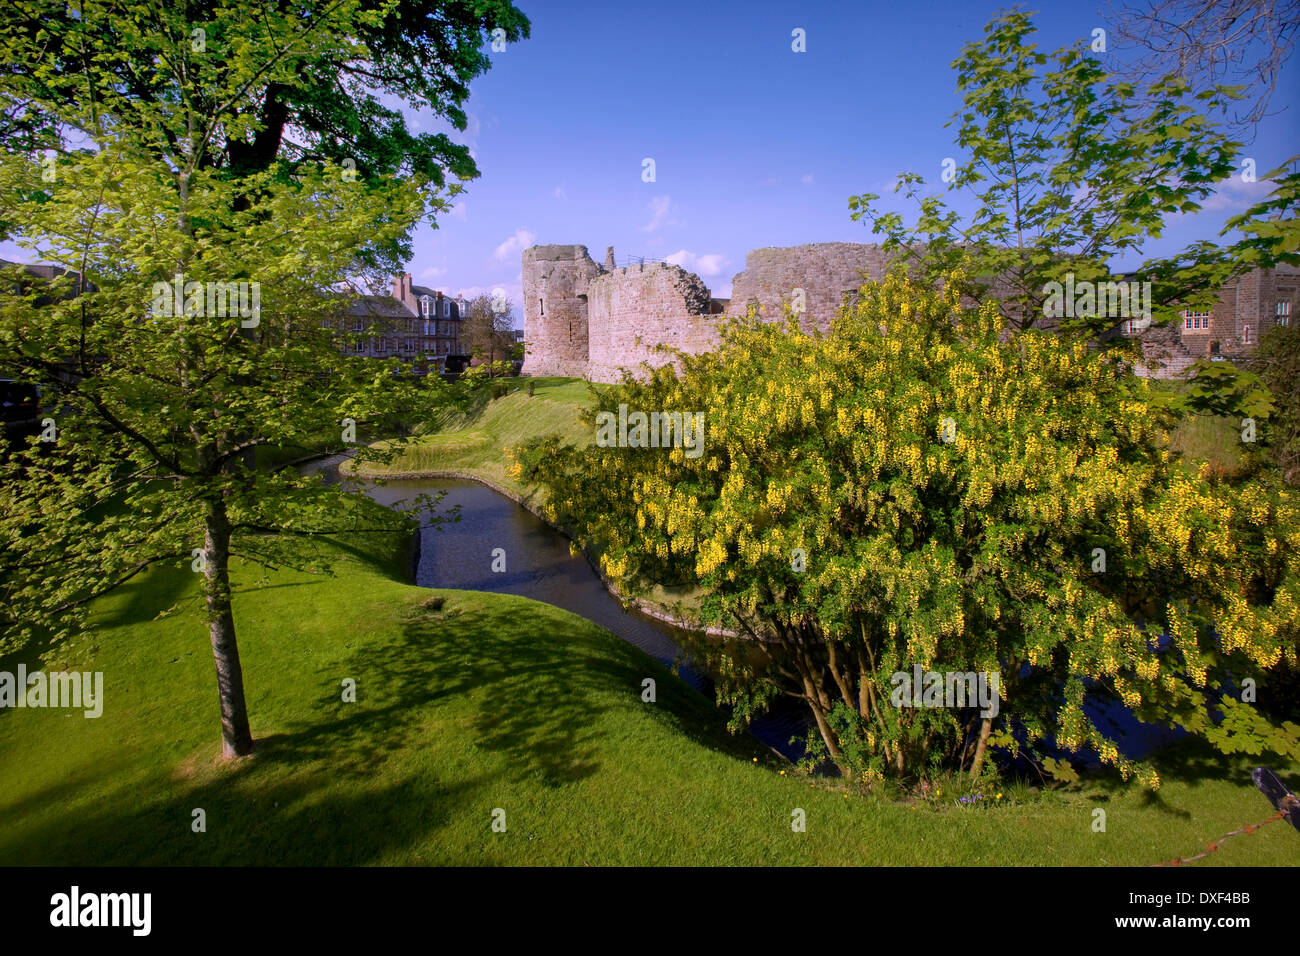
{"x":538,"y":565}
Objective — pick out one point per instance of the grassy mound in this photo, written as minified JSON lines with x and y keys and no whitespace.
{"x":488,"y":702}
{"x":473,"y":442}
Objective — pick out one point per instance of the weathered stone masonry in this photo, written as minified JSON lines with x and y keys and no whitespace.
{"x":592,"y":321}
{"x":585,"y":319}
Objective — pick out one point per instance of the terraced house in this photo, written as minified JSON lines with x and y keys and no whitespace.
{"x":415,"y":324}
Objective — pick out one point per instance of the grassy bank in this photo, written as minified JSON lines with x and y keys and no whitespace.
{"x":474,"y":441}
{"x":490,"y":702}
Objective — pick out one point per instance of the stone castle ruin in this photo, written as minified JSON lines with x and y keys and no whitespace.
{"x":588,"y":320}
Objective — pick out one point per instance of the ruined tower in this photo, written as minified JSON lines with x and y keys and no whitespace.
{"x":555,"y":309}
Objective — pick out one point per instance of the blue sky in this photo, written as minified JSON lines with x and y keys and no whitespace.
{"x":754,"y":144}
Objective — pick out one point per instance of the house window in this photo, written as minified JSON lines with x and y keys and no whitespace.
{"x":424,"y":305}
{"x":1196,"y":320}
{"x":446,"y":308}
{"x":1284,"y":312}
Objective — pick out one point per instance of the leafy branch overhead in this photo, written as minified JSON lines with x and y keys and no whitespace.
{"x":1070,"y":168}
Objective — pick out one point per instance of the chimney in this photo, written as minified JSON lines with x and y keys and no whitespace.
{"x":402,"y":291}
{"x":609,"y":258}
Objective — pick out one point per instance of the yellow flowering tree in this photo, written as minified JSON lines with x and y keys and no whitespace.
{"x":921,"y":486}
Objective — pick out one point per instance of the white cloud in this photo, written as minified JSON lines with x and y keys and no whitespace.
{"x":660,"y":210}
{"x":431,"y":273}
{"x":710,"y":264}
{"x":520,"y":241}
{"x":560,"y":193}
{"x":807,"y":179}
{"x":459,"y":211}
{"x":1237,"y":195}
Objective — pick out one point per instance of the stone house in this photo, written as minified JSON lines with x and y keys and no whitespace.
{"x":415,"y":324}
{"x":1246,"y":308}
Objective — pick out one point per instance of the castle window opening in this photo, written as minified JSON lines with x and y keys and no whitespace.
{"x":541,"y":306}
{"x":1284,"y":312}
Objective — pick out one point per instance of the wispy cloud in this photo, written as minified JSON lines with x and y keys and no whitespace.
{"x":560,"y":193}
{"x":709,"y":264}
{"x":1235,"y":195}
{"x":520,"y":241}
{"x":807,"y":179}
{"x":660,"y":214}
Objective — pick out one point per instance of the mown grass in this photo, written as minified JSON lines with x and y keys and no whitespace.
{"x":475,"y":441}
{"x":492,"y":702}
{"x":1215,"y":439}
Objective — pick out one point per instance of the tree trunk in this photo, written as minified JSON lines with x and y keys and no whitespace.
{"x":236,"y":738}
{"x":811,"y":696}
{"x":986,"y":727}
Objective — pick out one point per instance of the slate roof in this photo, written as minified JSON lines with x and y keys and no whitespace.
{"x":379,"y":306}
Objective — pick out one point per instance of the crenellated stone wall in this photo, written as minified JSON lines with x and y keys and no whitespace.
{"x":632,"y":309}
{"x":592,"y":321}
{"x":584,"y":319}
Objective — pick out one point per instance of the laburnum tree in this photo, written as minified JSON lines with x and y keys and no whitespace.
{"x":219,"y":175}
{"x":920,"y":487}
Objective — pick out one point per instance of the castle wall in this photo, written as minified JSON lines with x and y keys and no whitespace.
{"x":555,"y":309}
{"x":585,"y":320}
{"x":826,"y":271}
{"x":631,"y":309}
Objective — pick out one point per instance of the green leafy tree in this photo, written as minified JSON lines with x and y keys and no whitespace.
{"x":186,"y":169}
{"x":286,"y":84}
{"x":486,"y":330}
{"x":1068,"y":168}
{"x":919,"y":487}
{"x":1277,"y":363}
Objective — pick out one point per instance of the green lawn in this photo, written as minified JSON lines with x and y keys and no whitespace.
{"x":491,"y":702}
{"x":474,"y":442}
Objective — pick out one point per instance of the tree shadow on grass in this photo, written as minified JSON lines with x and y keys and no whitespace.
{"x":340,"y":788}
{"x":250,"y":820}
{"x":1192,"y":761}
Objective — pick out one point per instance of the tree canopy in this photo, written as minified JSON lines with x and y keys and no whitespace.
{"x":919,"y":488}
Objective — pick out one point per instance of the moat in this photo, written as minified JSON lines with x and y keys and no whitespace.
{"x":538,"y":565}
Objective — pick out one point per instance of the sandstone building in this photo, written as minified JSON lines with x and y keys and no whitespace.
{"x":592,"y":320}
{"x":1246,"y":308}
{"x":418,"y":325}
